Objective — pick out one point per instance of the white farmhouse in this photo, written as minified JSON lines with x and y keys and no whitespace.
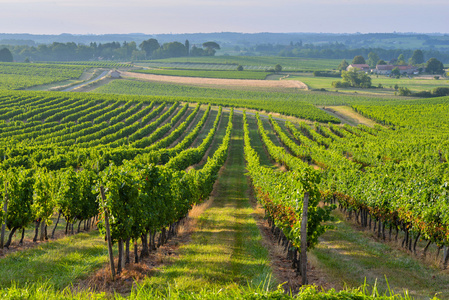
{"x":362,"y":67}
{"x":115,"y":74}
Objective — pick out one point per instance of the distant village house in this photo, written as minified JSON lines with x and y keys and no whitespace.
{"x":362,"y":67}
{"x":115,"y":74}
{"x":386,"y":69}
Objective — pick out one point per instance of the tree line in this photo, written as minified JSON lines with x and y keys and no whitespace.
{"x":339,"y":51}
{"x":148,"y":49}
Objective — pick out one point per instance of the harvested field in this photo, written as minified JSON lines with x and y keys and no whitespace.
{"x":217,"y":81}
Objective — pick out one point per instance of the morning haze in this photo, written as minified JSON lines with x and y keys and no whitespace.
{"x":176,"y":16}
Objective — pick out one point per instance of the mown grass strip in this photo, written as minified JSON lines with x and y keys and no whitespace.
{"x":59,"y":263}
{"x":350,"y":257}
{"x":226,"y":247}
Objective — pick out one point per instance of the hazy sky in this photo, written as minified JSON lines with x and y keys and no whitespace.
{"x":182,"y":16}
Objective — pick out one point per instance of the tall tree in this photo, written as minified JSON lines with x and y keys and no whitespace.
{"x":5,"y":55}
{"x":187,"y":45}
{"x":211,"y":45}
{"x":343,"y":65}
{"x":417,"y":57}
{"x":401,"y":60}
{"x":356,"y":78}
{"x":373,"y":58}
{"x":172,"y":49}
{"x":434,"y":66}
{"x":277,"y":68}
{"x":358,"y":60}
{"x":396,"y":72}
{"x":149,"y":46}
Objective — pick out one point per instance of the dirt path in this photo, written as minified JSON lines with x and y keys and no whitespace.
{"x":348,"y":116}
{"x":75,"y":87}
{"x":217,"y":81}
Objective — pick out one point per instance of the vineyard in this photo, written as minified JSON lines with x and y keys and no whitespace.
{"x":248,"y":62}
{"x":288,"y":104}
{"x":14,"y":76}
{"x":135,"y":166}
{"x":94,"y":64}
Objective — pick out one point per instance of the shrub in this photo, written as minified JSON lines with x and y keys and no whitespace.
{"x":440,"y":91}
{"x":423,"y":94}
{"x":340,"y":84}
{"x":403,"y":91}
{"x":326,"y":74}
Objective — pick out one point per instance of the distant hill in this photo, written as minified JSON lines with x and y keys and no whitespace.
{"x":434,"y":41}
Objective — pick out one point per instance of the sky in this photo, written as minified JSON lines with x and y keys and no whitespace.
{"x":248,"y":16}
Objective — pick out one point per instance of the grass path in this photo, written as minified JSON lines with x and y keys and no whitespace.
{"x":59,"y":263}
{"x":349,"y":257}
{"x":226,"y":248}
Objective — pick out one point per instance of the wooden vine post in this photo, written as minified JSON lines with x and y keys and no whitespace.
{"x":108,"y":234}
{"x":5,"y":211}
{"x":303,"y":260}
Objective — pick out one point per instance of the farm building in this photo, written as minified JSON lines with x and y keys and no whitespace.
{"x":363,"y":67}
{"x":386,"y":69}
{"x":115,"y":74}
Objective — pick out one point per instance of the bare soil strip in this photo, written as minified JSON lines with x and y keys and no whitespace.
{"x":217,"y":81}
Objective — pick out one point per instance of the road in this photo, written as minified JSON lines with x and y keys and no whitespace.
{"x":103,"y":74}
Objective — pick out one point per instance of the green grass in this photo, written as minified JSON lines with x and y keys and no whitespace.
{"x":413,"y":84}
{"x":43,"y":291}
{"x":249,"y":62}
{"x":226,"y":249}
{"x":22,"y":75}
{"x":388,"y":84}
{"x":60,"y":263}
{"x":350,"y":257}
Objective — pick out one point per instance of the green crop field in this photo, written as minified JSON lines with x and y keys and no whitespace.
{"x":248,"y":62}
{"x":16,"y":76}
{"x":414,"y":84}
{"x":94,"y":64}
{"x":146,"y":190}
{"x":136,"y":87}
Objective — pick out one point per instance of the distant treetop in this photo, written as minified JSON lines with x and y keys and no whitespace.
{"x":5,"y":55}
{"x":358,"y":60}
{"x":211,"y":45}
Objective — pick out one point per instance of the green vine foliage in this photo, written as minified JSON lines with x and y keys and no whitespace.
{"x":68,"y":195}
{"x":88,"y":199}
{"x":44,"y":195}
{"x":282,"y":193}
{"x":19,"y":190}
{"x":121,"y":200}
